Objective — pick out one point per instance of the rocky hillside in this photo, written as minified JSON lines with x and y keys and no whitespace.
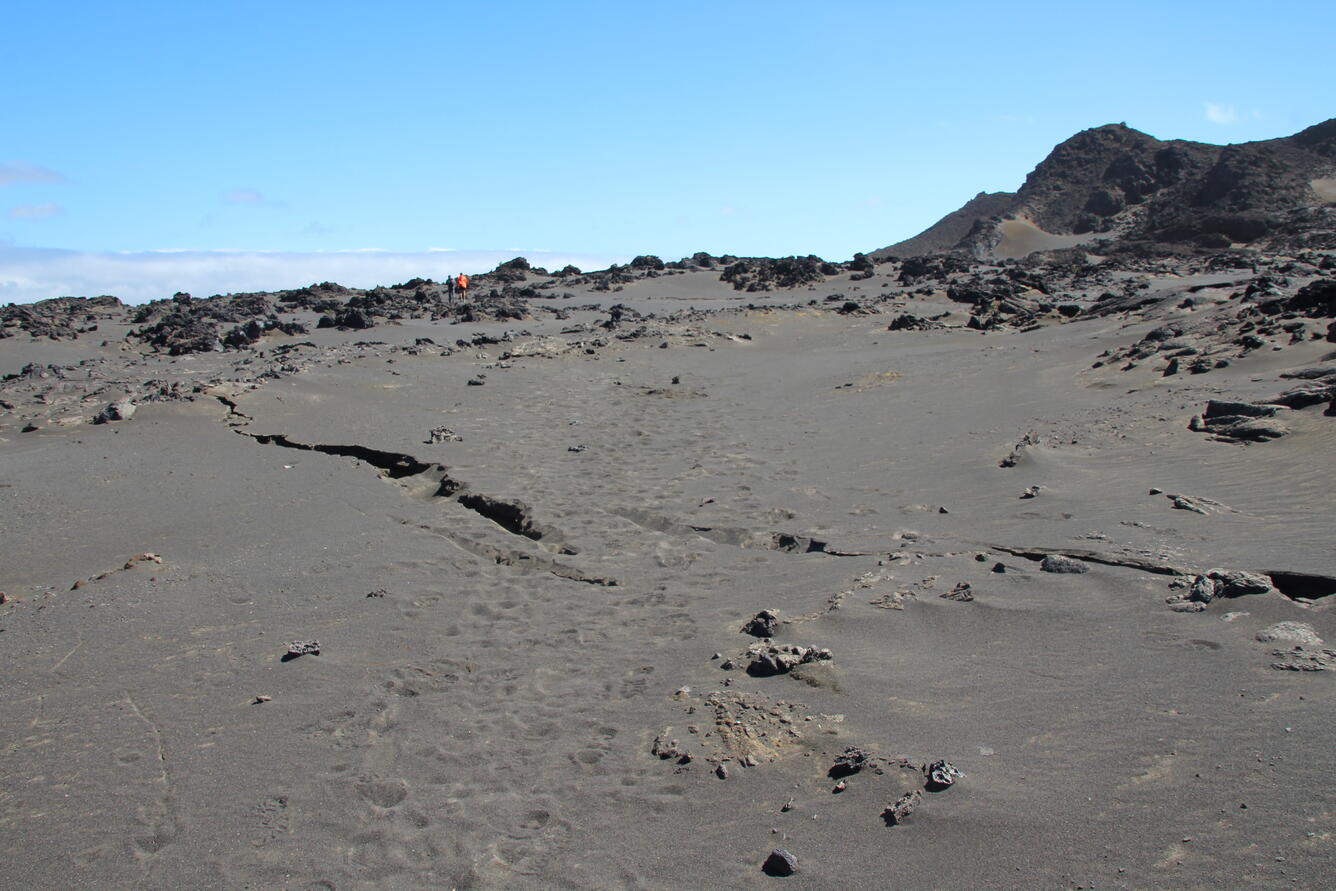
{"x":1132,"y":191}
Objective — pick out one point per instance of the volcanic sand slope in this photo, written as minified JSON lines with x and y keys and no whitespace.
{"x":510,"y":621}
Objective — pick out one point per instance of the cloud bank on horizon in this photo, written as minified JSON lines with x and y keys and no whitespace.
{"x":30,"y":274}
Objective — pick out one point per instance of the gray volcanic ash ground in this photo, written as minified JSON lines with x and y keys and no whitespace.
{"x":936,"y":571}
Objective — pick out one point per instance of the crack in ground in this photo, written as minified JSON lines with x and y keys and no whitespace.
{"x":503,"y":557}
{"x":1294,"y":585}
{"x":1095,"y":557}
{"x":741,"y":538}
{"x":514,"y":517}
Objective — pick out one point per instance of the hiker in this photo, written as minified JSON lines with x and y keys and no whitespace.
{"x":450,"y":289}
{"x":462,"y":283}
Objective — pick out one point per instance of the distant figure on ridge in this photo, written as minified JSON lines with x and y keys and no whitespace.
{"x":462,"y":283}
{"x":450,"y":289}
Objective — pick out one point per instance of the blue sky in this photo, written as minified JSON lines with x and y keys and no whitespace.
{"x":589,"y":130}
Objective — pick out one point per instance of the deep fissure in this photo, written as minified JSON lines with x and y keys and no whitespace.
{"x":512,"y":516}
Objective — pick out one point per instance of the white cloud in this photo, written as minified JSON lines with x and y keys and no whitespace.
{"x":29,"y":274}
{"x":1217,"y":113}
{"x":244,"y":196}
{"x":42,"y":211}
{"x":12,"y":172}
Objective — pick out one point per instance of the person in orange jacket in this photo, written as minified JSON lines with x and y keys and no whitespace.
{"x":462,"y":286}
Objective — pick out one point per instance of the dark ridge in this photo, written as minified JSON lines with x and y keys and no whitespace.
{"x":395,"y":464}
{"x":1308,"y":585}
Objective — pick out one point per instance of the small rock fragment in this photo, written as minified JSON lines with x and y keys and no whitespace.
{"x":763,"y":624}
{"x":261,"y":698}
{"x":840,"y":787}
{"x":303,"y":648}
{"x":897,"y":813}
{"x":721,"y":771}
{"x":780,"y":863}
{"x":1031,"y":492}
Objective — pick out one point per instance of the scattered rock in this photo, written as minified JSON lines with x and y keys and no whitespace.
{"x":1237,"y":583}
{"x":892,"y":599}
{"x":942,"y":775}
{"x":1248,"y":429}
{"x":1301,"y":658}
{"x":1031,"y":492}
{"x":780,"y":863}
{"x":767,"y":661}
{"x":763,"y":624}
{"x":1059,"y":563}
{"x":666,"y":749}
{"x":850,"y":762}
{"x":299,"y":648}
{"x":897,"y":813}
{"x":1240,"y":421}
{"x":1186,"y":606}
{"x":1201,"y":589}
{"x":1187,"y":502}
{"x":908,"y":322}
{"x":121,"y":410}
{"x":1290,"y":632}
{"x":961,"y":592}
{"x":442,"y":434}
{"x":1305,"y":395}
{"x":1018,"y":451}
{"x":721,"y":771}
